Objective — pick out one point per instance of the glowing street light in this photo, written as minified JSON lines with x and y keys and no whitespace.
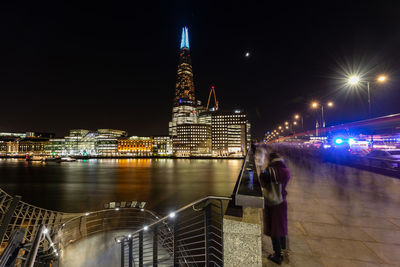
{"x":315,"y":105}
{"x":355,"y":80}
{"x":296,"y":116}
{"x":280,"y":127}
{"x":295,"y":123}
{"x":381,"y":78}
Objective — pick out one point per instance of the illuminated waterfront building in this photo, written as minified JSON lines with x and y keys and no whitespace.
{"x":162,"y":146}
{"x":230,"y":132}
{"x":81,"y":142}
{"x":32,"y":146}
{"x":21,"y":144}
{"x":184,"y":109}
{"x":135,"y":146}
{"x":107,"y":141}
{"x":192,"y":140}
{"x":56,"y":147}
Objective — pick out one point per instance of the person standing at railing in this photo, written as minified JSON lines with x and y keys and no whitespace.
{"x":273,"y":181}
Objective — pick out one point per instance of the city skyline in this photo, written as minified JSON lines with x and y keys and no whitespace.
{"x":98,"y":67}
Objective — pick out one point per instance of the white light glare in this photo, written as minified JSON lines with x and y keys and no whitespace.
{"x":145,"y":228}
{"x":51,"y":244}
{"x":117,"y":209}
{"x":141,"y":209}
{"x":45,"y":231}
{"x":55,"y":251}
{"x":354,"y":79}
{"x":87,"y":214}
{"x":172,"y":215}
{"x":129,"y":236}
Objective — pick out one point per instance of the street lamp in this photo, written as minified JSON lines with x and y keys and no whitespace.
{"x":315,"y":105}
{"x":355,"y":80}
{"x":296,"y":117}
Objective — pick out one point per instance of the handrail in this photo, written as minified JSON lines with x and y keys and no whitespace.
{"x":182,"y":209}
{"x":242,"y":171}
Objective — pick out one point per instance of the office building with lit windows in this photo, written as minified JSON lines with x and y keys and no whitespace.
{"x":192,"y":140}
{"x":230,"y":132}
{"x":162,"y":146}
{"x":135,"y":146}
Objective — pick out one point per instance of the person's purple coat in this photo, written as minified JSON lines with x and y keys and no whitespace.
{"x":275,"y":217}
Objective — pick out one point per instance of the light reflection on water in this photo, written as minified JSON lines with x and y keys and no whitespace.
{"x":84,"y":185}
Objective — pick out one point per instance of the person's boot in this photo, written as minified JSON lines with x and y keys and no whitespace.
{"x":275,"y":258}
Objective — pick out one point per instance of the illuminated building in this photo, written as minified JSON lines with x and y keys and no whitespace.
{"x":230,"y":132}
{"x":107,"y":141}
{"x":162,"y":146}
{"x":192,"y":140}
{"x":184,"y":109}
{"x":135,"y":146}
{"x":32,"y":146}
{"x":56,"y":147}
{"x":81,"y":142}
{"x":9,"y":146}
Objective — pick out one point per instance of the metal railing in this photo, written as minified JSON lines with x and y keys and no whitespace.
{"x":189,"y":236}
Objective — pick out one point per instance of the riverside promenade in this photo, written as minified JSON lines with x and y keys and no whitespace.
{"x":340,"y":216}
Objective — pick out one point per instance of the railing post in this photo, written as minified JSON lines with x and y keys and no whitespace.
{"x":141,"y":249}
{"x":207,"y":224}
{"x":122,"y":254}
{"x":30,"y":260}
{"x":175,"y":243}
{"x":130,"y":252}
{"x":155,"y":246}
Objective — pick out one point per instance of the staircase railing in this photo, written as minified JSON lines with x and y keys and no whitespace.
{"x":189,"y":236}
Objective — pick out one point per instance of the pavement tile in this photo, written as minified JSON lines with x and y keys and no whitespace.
{"x":296,"y":261}
{"x":296,"y":229}
{"x":298,"y":245}
{"x":388,"y":252}
{"x":384,"y":235}
{"x":335,"y":262}
{"x":395,"y":221}
{"x":344,"y":249}
{"x":336,"y":231}
{"x":374,"y":222}
{"x":307,"y":216}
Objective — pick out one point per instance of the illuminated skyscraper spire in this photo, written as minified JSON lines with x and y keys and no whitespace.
{"x":184,"y":89}
{"x":184,"y":110}
{"x":185,"y":38}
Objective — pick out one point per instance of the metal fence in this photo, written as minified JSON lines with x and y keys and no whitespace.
{"x":190,"y":236}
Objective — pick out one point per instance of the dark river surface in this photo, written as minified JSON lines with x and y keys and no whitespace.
{"x":165,"y":184}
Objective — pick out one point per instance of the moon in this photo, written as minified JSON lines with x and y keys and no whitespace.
{"x":247,"y":54}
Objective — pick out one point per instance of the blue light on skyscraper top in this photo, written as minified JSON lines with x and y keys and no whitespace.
{"x":185,"y":38}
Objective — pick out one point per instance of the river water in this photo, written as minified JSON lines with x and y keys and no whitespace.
{"x":84,"y":185}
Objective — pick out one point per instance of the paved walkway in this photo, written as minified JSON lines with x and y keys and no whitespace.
{"x":341,"y":216}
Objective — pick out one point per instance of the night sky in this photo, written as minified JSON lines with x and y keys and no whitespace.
{"x":113,"y":65}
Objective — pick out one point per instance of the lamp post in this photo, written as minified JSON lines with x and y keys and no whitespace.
{"x":296,"y":117}
{"x":355,"y":80}
{"x":315,"y":105}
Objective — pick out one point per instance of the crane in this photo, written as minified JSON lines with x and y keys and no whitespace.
{"x":215,"y":98}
